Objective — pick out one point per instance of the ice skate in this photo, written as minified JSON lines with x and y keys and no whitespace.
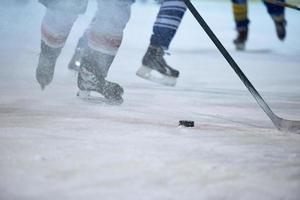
{"x":240,"y":41}
{"x":91,"y":79}
{"x":75,"y":62}
{"x":154,"y":61}
{"x":280,"y":29}
{"x":46,"y":65}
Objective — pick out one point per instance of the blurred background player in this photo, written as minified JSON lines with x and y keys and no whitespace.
{"x":104,"y":37}
{"x":167,"y":22}
{"x":240,"y":11}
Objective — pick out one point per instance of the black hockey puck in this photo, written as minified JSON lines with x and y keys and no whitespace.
{"x":186,"y":123}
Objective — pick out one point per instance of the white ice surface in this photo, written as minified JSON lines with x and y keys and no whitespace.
{"x":54,"y":146}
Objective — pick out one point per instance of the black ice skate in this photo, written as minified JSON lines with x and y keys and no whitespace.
{"x":91,"y":78}
{"x":240,"y":41}
{"x":47,"y":60}
{"x":75,"y":62}
{"x":280,"y":29}
{"x":154,"y":60}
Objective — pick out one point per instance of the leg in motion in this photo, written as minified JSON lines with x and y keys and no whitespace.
{"x":167,"y":22}
{"x":82,"y":43}
{"x":277,"y":14}
{"x":240,"y":12}
{"x":104,"y":38}
{"x":56,"y":26}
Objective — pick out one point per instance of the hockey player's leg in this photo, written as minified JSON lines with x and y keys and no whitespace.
{"x":240,"y":12}
{"x":82,"y":43}
{"x":277,"y":14}
{"x":55,"y":29}
{"x":104,"y":39}
{"x":92,"y":74}
{"x":164,"y":29}
{"x":167,"y":22}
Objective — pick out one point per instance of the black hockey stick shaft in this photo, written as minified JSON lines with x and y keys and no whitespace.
{"x":281,"y":124}
{"x":283,"y":4}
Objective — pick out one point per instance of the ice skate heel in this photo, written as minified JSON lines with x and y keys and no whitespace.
{"x":240,"y":41}
{"x":144,"y":72}
{"x":75,"y":62}
{"x":240,"y":46}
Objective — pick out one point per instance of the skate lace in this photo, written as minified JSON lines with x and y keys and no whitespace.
{"x":89,"y":76}
{"x":160,"y":52}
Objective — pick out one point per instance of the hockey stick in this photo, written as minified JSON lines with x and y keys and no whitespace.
{"x":283,"y":4}
{"x":280,"y":123}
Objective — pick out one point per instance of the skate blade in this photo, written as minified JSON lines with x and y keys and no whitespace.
{"x":240,"y":47}
{"x":87,"y":97}
{"x":146,"y":73}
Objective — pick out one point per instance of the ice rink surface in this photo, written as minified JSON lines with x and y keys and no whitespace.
{"x":54,"y":146}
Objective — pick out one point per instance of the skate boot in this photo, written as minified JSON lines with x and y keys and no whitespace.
{"x":240,"y":41}
{"x":91,"y":78}
{"x":154,"y":61}
{"x":280,"y":29}
{"x":47,"y":60}
{"x":75,"y":62}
